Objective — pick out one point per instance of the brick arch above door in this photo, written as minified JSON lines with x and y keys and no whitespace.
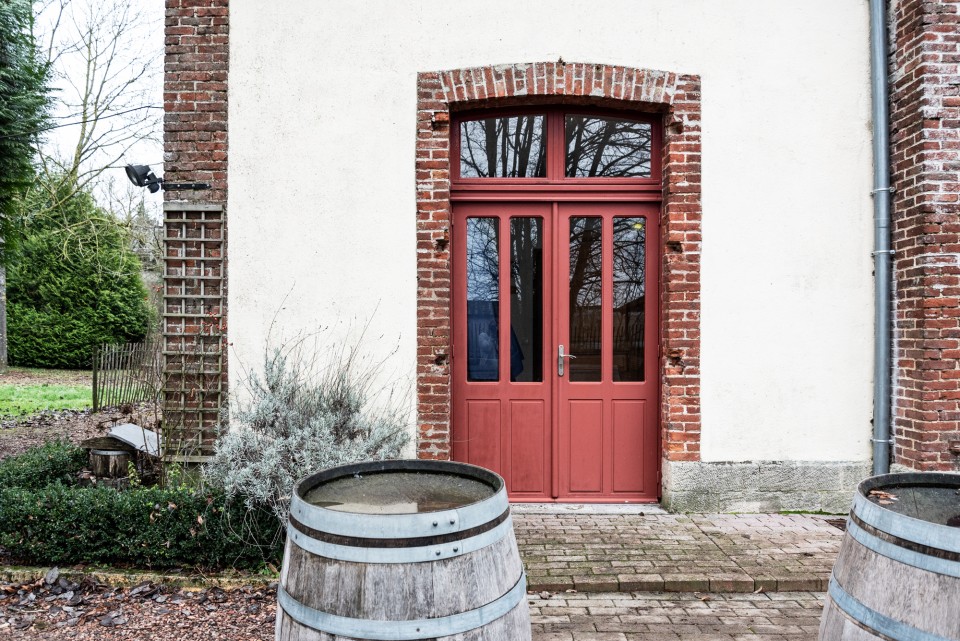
{"x":677,"y":97}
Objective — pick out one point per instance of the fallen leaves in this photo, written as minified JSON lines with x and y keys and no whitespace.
{"x":883,"y":498}
{"x":52,"y":603}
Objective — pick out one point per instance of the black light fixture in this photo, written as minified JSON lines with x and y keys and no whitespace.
{"x":142,"y":176}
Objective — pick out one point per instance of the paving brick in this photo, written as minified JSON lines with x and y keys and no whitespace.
{"x":671,"y":617}
{"x":718,"y":552}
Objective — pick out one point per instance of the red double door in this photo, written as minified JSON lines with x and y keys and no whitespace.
{"x":555,"y":347}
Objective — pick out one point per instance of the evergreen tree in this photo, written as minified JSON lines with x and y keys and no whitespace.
{"x":23,"y":110}
{"x":74,"y":282}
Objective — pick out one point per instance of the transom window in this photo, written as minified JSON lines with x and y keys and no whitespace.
{"x":555,"y":144}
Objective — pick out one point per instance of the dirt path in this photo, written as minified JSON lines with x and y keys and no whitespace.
{"x":17,"y":435}
{"x":30,"y":376}
{"x":59,"y":609}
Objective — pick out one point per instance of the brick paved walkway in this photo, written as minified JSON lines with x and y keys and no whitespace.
{"x":778,"y":616}
{"x":676,"y":553}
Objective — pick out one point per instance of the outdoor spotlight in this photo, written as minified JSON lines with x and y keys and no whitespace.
{"x":141,"y":176}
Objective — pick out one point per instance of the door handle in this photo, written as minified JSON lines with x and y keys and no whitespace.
{"x":560,"y":357}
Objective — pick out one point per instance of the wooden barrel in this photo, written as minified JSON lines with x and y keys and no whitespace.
{"x":897,"y":576}
{"x":109,"y":463}
{"x":402,"y":550}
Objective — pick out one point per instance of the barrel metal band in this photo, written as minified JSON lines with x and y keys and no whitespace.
{"x":410,"y":630}
{"x":906,"y":527}
{"x":876,"y":622}
{"x":901,"y":554}
{"x":109,"y":452}
{"x":400,"y":526}
{"x":420,"y":554}
{"x":364,"y":542}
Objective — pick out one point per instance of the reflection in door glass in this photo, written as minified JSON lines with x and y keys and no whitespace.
{"x":611,"y":147}
{"x":585,"y":297}
{"x":508,"y":147}
{"x":526,"y":299}
{"x":629,"y":255}
{"x":483,"y":299}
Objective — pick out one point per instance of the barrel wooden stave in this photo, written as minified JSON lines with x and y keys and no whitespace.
{"x":429,"y":590}
{"x":836,"y":626}
{"x":922,"y":599}
{"x":503,"y":629}
{"x":914,"y":595}
{"x":109,"y":463}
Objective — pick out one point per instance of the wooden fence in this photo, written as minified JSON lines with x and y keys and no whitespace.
{"x":126,"y":373}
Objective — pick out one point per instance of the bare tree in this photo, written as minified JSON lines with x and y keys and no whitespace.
{"x":105,"y":66}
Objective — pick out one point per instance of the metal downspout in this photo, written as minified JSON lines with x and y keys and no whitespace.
{"x":882,"y":399}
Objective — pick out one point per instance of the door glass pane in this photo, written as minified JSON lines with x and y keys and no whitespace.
{"x":629,"y":255}
{"x":483,"y":299}
{"x":585,"y":297}
{"x":526,"y":299}
{"x":507,"y":147}
{"x":610,"y":147}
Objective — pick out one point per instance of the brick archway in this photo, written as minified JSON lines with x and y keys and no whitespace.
{"x":677,"y":97}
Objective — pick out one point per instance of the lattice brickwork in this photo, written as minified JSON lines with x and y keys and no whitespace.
{"x":196,"y":66}
{"x":194,"y":328}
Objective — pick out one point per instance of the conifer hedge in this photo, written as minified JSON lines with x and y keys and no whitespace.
{"x":74,"y":282}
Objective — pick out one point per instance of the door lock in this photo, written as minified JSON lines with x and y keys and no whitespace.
{"x":560,"y":357}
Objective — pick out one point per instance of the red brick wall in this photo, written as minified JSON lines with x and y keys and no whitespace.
{"x":925,"y":134}
{"x":195,"y":150}
{"x":678,"y":98}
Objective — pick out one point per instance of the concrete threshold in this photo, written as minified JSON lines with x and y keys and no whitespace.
{"x":641,"y":509}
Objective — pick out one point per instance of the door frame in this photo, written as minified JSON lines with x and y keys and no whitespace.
{"x":673,"y":99}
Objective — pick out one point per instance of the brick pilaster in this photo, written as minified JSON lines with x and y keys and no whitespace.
{"x":925,"y":134}
{"x":195,"y":150}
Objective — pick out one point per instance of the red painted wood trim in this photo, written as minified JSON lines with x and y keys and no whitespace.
{"x":675,"y":99}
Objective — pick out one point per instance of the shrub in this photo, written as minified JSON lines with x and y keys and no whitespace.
{"x":43,"y":465}
{"x":150,"y":527}
{"x":73,"y":282}
{"x":297,"y":420}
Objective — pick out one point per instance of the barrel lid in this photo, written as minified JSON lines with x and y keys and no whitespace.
{"x":399,"y":498}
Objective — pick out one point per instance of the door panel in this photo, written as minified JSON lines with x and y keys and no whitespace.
{"x":501,"y":332}
{"x":585,"y":451}
{"x":528,"y":278}
{"x":483,"y":433}
{"x":529,"y":456}
{"x":628,"y":438}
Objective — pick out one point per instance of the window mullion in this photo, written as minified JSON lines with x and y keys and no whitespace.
{"x":555,"y":146}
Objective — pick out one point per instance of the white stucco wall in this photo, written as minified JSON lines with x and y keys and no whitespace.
{"x":322,"y":203}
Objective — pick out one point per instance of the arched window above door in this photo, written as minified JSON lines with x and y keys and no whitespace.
{"x":557,"y":144}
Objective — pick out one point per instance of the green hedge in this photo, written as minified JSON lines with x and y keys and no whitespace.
{"x":43,"y":465}
{"x":72,"y":283}
{"x":146,"y":527}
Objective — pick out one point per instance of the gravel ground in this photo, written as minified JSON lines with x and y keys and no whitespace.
{"x":54,"y":608}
